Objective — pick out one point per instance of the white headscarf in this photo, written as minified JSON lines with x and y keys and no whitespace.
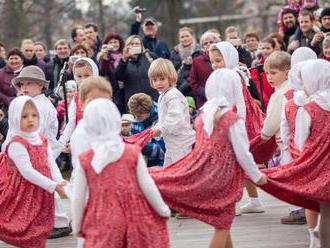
{"x":231,"y":59}
{"x":315,"y":76}
{"x":222,"y":89}
{"x":302,"y":54}
{"x":228,"y":52}
{"x":14,"y":122}
{"x":95,"y":69}
{"x":102,"y":122}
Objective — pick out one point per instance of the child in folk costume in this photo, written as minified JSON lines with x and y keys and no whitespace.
{"x":294,"y":98}
{"x":208,"y":182}
{"x":124,"y":207}
{"x":31,"y":82}
{"x":173,"y":112}
{"x":225,"y":55}
{"x":28,"y":178}
{"x":82,"y":68}
{"x":305,"y":180}
{"x":90,"y":88}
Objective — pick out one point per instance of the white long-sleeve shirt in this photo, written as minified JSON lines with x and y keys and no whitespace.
{"x":174,"y":120}
{"x":146,"y":184}
{"x":20,"y":156}
{"x":241,"y":145}
{"x":285,"y":137}
{"x":272,"y":123}
{"x":48,"y":123}
{"x":79,"y":143}
{"x":71,"y":125}
{"x":303,"y":124}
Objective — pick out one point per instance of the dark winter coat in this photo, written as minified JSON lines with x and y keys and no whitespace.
{"x":200,"y":71}
{"x":7,"y":90}
{"x":154,"y":45}
{"x":2,"y":63}
{"x":183,"y":83}
{"x":34,"y":61}
{"x":134,"y":74}
{"x":52,"y":71}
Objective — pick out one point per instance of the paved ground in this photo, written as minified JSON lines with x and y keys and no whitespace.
{"x":249,"y":231}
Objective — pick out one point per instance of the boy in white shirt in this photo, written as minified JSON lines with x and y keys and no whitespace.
{"x":173,"y":112}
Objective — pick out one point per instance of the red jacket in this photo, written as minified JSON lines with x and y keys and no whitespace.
{"x":200,"y":71}
{"x":267,"y":89}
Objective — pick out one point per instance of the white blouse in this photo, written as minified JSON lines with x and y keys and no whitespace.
{"x":174,"y":120}
{"x":146,"y":184}
{"x":272,"y":123}
{"x":48,"y":123}
{"x":71,"y":125}
{"x":20,"y":156}
{"x":241,"y":145}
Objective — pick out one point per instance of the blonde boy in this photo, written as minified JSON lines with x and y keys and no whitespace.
{"x":173,"y":111}
{"x":277,"y":67}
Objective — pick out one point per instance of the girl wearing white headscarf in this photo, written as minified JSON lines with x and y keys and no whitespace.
{"x":29,"y":178}
{"x":82,"y":68}
{"x":246,"y":107}
{"x":298,"y":60}
{"x":317,"y":87}
{"x":305,"y":181}
{"x":207,"y":183}
{"x":289,"y":111}
{"x":110,"y":176}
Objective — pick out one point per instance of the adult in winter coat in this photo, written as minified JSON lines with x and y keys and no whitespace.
{"x":54,"y":67}
{"x":182,"y":56}
{"x":109,"y":57}
{"x":10,"y":71}
{"x":201,"y":67}
{"x":150,"y":39}
{"x":133,"y":68}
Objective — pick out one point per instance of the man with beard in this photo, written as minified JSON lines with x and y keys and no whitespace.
{"x":290,"y":24}
{"x":30,"y":58}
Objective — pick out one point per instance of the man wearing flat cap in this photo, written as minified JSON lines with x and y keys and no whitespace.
{"x":150,"y":39}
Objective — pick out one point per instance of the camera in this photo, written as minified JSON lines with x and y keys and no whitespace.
{"x":138,"y":10}
{"x":109,"y":47}
{"x":135,"y":50}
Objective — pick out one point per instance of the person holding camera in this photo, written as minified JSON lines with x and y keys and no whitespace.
{"x":108,"y":58}
{"x":133,"y":69}
{"x":182,"y":57}
{"x":150,"y":29}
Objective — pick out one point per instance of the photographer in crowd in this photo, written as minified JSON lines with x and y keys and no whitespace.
{"x":133,"y":69}
{"x":109,"y":58}
{"x":150,"y":39}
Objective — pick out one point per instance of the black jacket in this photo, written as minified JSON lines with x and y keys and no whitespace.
{"x":52,"y":71}
{"x":2,"y":63}
{"x":183,"y":83}
{"x":134,"y":74}
{"x":154,"y":45}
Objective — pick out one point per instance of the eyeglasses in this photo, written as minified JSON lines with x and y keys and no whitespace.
{"x":135,"y":44}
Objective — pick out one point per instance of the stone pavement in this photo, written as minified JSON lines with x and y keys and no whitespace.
{"x":249,"y":231}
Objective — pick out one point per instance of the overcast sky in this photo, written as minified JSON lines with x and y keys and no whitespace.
{"x":84,"y":4}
